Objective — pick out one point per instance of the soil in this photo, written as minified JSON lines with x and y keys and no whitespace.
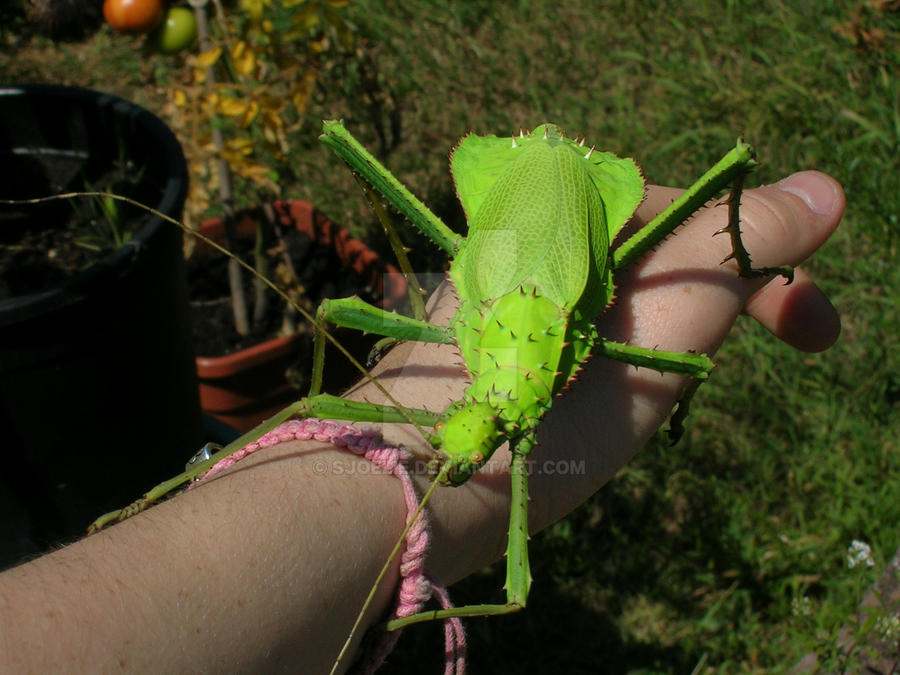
{"x":212,"y":313}
{"x":40,"y":259}
{"x":37,"y":258}
{"x":43,"y":245}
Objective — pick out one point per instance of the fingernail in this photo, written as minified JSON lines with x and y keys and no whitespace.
{"x":813,"y":188}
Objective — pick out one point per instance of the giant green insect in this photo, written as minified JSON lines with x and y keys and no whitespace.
{"x":534,"y":271}
{"x":525,"y":320}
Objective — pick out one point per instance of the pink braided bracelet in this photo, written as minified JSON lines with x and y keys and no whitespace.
{"x":416,"y":585}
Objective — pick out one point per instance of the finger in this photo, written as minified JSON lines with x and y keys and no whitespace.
{"x":799,"y":314}
{"x":681,"y":297}
{"x":657,"y":199}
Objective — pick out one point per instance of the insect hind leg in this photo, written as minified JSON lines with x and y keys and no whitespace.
{"x":518,"y":574}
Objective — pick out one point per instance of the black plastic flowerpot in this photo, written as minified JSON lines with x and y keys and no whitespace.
{"x":98,"y":393}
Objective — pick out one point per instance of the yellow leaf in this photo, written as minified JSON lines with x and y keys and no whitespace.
{"x":209,"y":103}
{"x":232,"y":107}
{"x":249,"y":114}
{"x":317,"y":46}
{"x":179,"y":98}
{"x":208,"y":58}
{"x":304,"y":19}
{"x":303,"y":90}
{"x":240,"y":146}
{"x":244,"y":58}
{"x":254,"y":8}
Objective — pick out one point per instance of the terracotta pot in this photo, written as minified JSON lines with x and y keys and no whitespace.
{"x":246,"y":387}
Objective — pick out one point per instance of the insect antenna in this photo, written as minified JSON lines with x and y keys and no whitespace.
{"x":293,"y":303}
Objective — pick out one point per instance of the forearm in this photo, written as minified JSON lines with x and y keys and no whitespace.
{"x":261,"y":570}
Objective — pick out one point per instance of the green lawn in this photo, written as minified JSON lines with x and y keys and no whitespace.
{"x":728,"y":552}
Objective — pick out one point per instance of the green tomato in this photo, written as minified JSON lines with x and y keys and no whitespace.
{"x":177,"y":31}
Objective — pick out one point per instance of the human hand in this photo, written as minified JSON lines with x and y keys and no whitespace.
{"x":679,"y":297}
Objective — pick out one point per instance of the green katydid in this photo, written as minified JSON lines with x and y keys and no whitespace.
{"x":525,"y":321}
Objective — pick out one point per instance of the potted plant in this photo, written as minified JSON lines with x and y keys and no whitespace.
{"x":233,"y":107}
{"x":97,"y":385}
{"x":312,"y":258}
{"x":239,"y":99}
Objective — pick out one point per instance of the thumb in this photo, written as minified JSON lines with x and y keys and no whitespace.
{"x":681,"y":296}
{"x":800,"y":314}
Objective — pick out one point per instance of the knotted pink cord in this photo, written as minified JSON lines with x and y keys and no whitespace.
{"x":416,"y":584}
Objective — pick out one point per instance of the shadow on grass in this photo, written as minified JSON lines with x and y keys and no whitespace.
{"x":584,"y":578}
{"x":555,"y":634}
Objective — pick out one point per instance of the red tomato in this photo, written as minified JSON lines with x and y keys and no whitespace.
{"x":133,"y":16}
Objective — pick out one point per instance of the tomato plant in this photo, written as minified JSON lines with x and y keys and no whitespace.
{"x":133,"y":16}
{"x":177,"y":31}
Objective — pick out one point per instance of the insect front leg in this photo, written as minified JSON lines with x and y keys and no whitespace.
{"x":738,"y":250}
{"x":697,"y":366}
{"x":364,"y":164}
{"x":729,"y":171}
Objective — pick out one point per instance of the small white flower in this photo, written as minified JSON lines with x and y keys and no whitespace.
{"x":801,"y":606}
{"x":859,"y":553}
{"x":888,"y":627}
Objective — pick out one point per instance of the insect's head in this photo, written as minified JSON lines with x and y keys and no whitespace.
{"x":468,"y":437}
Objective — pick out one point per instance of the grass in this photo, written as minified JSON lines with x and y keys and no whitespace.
{"x":727,"y":553}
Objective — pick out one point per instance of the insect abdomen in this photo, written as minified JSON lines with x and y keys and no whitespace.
{"x":514,"y":348}
{"x":508,"y":341}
